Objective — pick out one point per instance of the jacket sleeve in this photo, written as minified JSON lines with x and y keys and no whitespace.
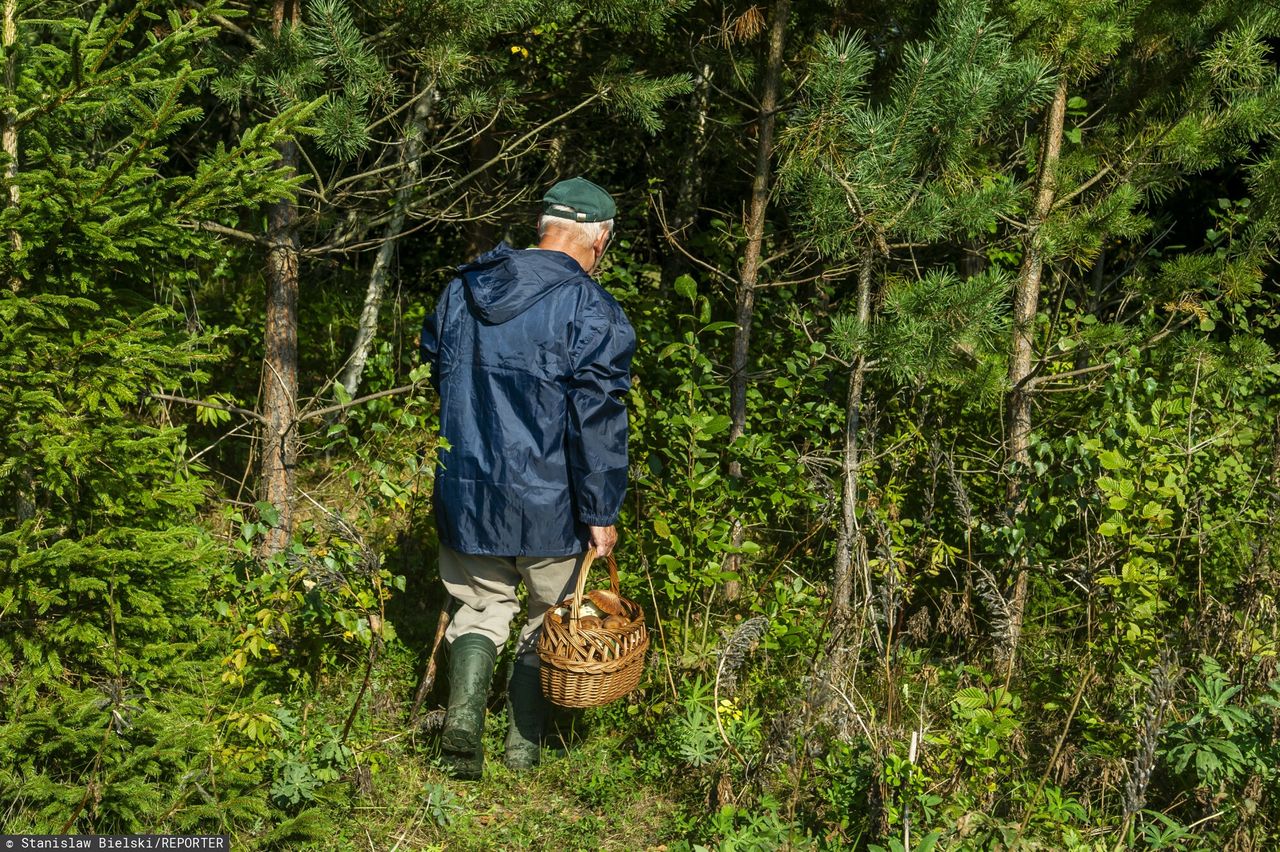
{"x":597,"y":446}
{"x":431,"y":338}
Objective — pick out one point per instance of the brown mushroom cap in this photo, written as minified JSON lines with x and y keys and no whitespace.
{"x":607,"y":602}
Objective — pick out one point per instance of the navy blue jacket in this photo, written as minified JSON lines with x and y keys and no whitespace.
{"x":532,"y":360}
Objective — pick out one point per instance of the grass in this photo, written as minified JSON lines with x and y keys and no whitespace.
{"x":579,"y":801}
{"x":596,"y":796}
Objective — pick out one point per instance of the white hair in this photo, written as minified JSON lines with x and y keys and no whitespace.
{"x":583,"y":234}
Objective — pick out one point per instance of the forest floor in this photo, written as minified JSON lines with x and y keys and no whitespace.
{"x":398,"y":797}
{"x":571,"y":802}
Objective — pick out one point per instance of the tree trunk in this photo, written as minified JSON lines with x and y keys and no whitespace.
{"x":8,"y":118}
{"x":1026,"y":300}
{"x":745,"y":295}
{"x":851,"y":545}
{"x":24,"y":501}
{"x":685,"y":210}
{"x":280,"y":366}
{"x":410,"y":166}
{"x":482,"y":234}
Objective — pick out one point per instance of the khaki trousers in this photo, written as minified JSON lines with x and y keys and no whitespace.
{"x":485,"y":588}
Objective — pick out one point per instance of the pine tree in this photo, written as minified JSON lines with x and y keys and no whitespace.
{"x":106,"y":569}
{"x":1182,"y":89}
{"x":876,"y":175}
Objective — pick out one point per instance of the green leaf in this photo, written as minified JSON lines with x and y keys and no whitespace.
{"x":1111,"y":460}
{"x":929,"y":841}
{"x":686,"y":286}
{"x":717,"y":424}
{"x":269,"y":514}
{"x":971,"y":698}
{"x":668,"y":350}
{"x":660,"y":527}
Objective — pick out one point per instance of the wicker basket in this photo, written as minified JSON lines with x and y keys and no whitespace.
{"x":591,"y":666}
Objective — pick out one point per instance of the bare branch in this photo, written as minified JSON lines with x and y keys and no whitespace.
{"x":244,"y":412}
{"x":215,"y":228}
{"x":671,"y":238}
{"x":321,"y":412}
{"x":502,"y":154}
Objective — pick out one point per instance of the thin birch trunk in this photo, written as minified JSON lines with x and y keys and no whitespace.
{"x":851,"y":545}
{"x":1026,"y":301}
{"x":280,"y":364}
{"x":410,"y":166}
{"x":749,"y":275}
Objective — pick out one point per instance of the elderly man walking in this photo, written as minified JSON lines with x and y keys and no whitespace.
{"x":532,"y":360}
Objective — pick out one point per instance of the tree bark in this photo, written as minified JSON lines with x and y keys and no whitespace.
{"x":851,"y":545}
{"x":280,"y":365}
{"x":1026,"y":301}
{"x":24,"y":500}
{"x":8,"y":126}
{"x":685,"y":210}
{"x":749,"y":275}
{"x":482,"y":233}
{"x":410,"y":166}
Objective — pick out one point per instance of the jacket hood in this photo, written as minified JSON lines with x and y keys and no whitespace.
{"x":504,"y":282}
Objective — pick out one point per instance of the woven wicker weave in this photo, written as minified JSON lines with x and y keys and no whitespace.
{"x":590,"y":666}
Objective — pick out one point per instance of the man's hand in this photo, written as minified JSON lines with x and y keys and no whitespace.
{"x":603,"y":539}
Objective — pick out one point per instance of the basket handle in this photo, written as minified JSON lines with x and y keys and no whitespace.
{"x":576,"y":606}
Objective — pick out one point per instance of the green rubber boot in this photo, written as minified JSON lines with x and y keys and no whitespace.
{"x":471,"y":659}
{"x":526,"y":715}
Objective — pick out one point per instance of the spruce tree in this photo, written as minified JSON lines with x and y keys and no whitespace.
{"x":106,"y":572}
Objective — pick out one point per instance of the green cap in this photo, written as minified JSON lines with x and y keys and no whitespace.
{"x":579,"y":200}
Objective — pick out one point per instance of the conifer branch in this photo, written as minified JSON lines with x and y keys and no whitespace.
{"x":453,"y":138}
{"x":1035,"y":379}
{"x":162,"y":115}
{"x":502,"y":153}
{"x":89,"y":75}
{"x":232,"y":27}
{"x":434,"y":218}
